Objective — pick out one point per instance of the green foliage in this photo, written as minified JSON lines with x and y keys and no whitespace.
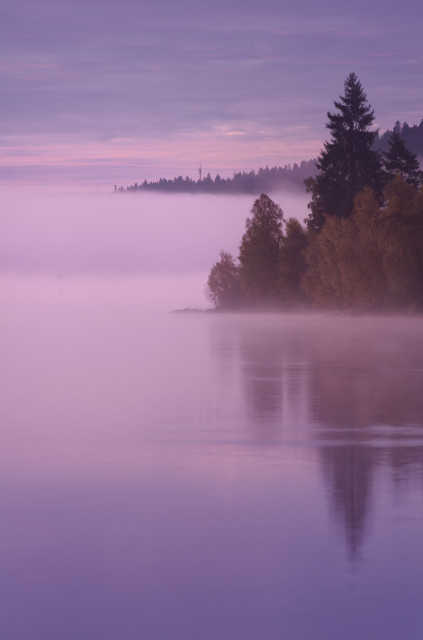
{"x":347,"y":163}
{"x":223,"y":284}
{"x":259,"y":253}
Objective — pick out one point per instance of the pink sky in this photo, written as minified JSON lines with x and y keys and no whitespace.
{"x":97,"y":94}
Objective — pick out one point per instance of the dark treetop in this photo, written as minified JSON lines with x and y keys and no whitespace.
{"x":347,"y":163}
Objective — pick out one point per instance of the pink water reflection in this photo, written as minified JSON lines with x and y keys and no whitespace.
{"x":202,"y":476}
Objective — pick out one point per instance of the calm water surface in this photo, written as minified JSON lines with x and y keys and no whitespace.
{"x":195,"y":476}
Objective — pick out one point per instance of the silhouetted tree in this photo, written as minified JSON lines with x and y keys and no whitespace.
{"x":262,"y":181}
{"x":400,"y":161}
{"x":347,"y":163}
{"x":412,"y":136}
{"x":259,"y":253}
{"x":292,"y":263}
{"x":223,"y":283}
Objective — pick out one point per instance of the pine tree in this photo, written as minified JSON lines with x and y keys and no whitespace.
{"x":347,"y":163}
{"x":400,"y":161}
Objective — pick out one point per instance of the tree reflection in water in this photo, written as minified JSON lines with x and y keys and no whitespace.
{"x":356,"y":384}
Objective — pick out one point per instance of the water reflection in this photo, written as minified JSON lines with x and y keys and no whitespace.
{"x":348,"y":472}
{"x":261,"y":365}
{"x":350,"y":386}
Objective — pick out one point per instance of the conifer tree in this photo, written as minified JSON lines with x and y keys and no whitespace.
{"x":400,"y":161}
{"x":347,"y":164}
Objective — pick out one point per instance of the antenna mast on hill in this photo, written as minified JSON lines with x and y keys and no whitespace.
{"x":200,"y":171}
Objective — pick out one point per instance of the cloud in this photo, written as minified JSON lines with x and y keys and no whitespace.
{"x":163,"y":74}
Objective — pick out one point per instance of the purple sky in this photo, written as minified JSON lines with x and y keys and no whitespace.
{"x":103,"y":92}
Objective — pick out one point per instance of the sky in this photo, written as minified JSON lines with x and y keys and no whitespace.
{"x":105,"y":92}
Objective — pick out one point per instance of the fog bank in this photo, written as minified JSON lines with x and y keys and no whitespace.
{"x":166,"y":242}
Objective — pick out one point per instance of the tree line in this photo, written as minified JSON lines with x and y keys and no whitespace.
{"x":362,"y":244}
{"x":412,"y":136}
{"x":267,"y":179}
{"x":270,"y":179}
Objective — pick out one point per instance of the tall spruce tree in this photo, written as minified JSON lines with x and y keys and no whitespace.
{"x":400,"y":161}
{"x":347,"y":163}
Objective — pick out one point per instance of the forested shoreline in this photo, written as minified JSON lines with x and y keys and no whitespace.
{"x":361,"y":247}
{"x":271,"y":179}
{"x":267,"y":179}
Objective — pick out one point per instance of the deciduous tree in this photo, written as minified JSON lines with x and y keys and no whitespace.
{"x":374,"y":258}
{"x":259,"y":253}
{"x":223,"y":284}
{"x":401,"y":244}
{"x":292,"y":263}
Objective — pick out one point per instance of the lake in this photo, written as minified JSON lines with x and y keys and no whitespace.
{"x":199,"y":475}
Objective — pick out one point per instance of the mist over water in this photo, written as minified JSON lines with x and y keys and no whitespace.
{"x":195,"y":475}
{"x":168,"y":243}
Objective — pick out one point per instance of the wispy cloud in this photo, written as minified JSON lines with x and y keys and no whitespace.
{"x":75,"y":78}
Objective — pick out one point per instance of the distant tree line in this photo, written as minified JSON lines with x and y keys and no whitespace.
{"x":412,"y":137}
{"x":252,"y":182}
{"x":362,"y":244}
{"x":272,"y":179}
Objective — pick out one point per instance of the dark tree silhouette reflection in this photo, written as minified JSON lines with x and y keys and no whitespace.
{"x":356,"y":384}
{"x":348,"y":472}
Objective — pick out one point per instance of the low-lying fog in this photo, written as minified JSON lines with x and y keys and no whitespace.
{"x":166,"y":243}
{"x":229,"y":470}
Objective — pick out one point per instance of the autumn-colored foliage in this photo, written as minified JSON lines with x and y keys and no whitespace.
{"x":362,"y":247}
{"x":292,"y":264}
{"x":374,"y":258}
